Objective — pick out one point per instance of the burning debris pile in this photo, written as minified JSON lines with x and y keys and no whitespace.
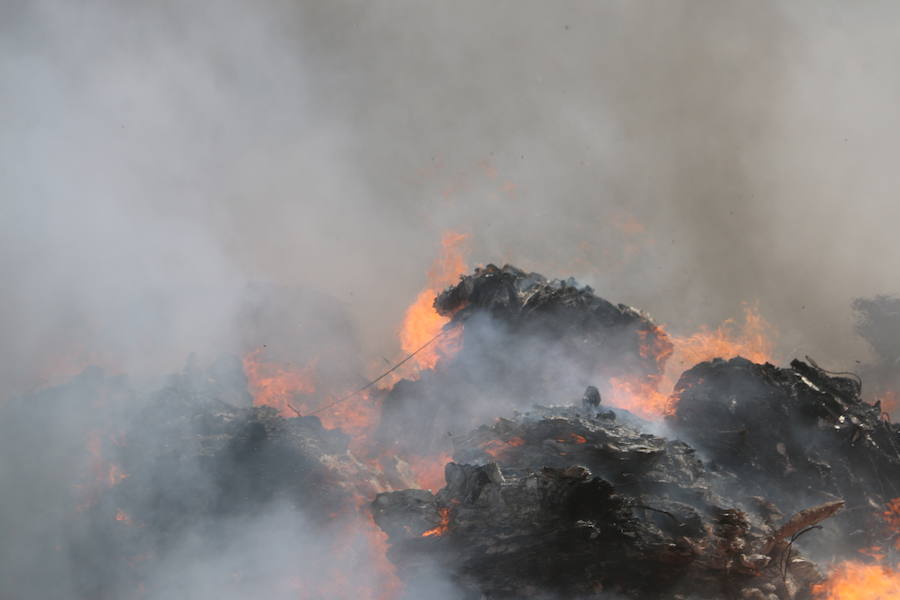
{"x":523,"y":339}
{"x":573,"y":501}
{"x":757,"y":480}
{"x":556,"y":503}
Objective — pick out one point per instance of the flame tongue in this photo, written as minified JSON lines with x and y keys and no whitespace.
{"x":857,"y":581}
{"x":421,"y":322}
{"x":276,"y":385}
{"x":650,"y":397}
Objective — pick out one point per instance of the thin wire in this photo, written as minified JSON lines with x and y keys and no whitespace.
{"x":380,"y":377}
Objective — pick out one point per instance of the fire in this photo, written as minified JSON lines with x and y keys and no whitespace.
{"x":889,"y":401}
{"x":123,"y":517}
{"x":421,"y":322}
{"x":428,"y":472}
{"x":751,"y":339}
{"x":573,"y":438}
{"x":276,"y":385}
{"x":441,"y":527}
{"x":651,"y":397}
{"x":659,"y":346}
{"x":891,"y":516}
{"x":640,"y":396}
{"x":497,"y":448}
{"x":857,"y":581}
{"x":101,"y":474}
{"x":115,"y":475}
{"x":854,"y":580}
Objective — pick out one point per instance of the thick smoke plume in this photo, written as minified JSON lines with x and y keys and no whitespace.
{"x":211,"y":178}
{"x":680,"y":156}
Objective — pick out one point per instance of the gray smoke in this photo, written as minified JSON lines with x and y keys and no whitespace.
{"x":680,"y":156}
{"x":160,"y":159}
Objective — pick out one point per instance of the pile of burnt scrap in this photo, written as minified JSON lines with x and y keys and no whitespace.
{"x":524,"y":339}
{"x":569,"y":503}
{"x":786,"y":467}
{"x":796,"y":436}
{"x":759,"y":475}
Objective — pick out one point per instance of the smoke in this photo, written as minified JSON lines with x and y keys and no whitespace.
{"x":681,"y":157}
{"x":159,"y":159}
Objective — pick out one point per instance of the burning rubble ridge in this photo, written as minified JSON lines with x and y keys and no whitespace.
{"x":575,"y":501}
{"x":749,"y":481}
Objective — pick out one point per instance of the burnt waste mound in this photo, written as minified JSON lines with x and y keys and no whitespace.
{"x":788,"y":466}
{"x":558,"y":503}
{"x":796,"y":436}
{"x":180,"y":487}
{"x":523,"y":339}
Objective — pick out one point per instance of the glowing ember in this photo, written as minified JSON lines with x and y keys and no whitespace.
{"x":442,"y":527}
{"x":421,"y":322}
{"x":497,"y":448}
{"x":276,"y":385}
{"x":572,"y":438}
{"x":123,"y":517}
{"x":857,"y":581}
{"x":115,"y":475}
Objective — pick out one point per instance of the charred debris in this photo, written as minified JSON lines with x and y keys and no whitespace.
{"x":759,"y":478}
{"x":760,"y":473}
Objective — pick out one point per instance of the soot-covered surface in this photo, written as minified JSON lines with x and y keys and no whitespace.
{"x":558,"y":503}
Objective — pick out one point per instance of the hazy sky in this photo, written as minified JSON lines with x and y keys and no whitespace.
{"x":682,"y":157}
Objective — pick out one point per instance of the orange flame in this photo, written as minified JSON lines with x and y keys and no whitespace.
{"x":421,"y":322}
{"x":497,"y":448}
{"x":891,"y":516}
{"x":853,"y":580}
{"x":572,"y":438}
{"x":276,"y":385}
{"x":640,"y":396}
{"x":651,"y":397}
{"x":428,"y":471}
{"x":889,"y":401}
{"x":751,"y":339}
{"x":441,"y":527}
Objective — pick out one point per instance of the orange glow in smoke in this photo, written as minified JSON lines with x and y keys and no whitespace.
{"x":292,"y":391}
{"x":421,"y":322}
{"x":891,"y":516}
{"x":750,"y":339}
{"x":428,"y":471}
{"x":277,"y":385}
{"x":102,"y":474}
{"x":115,"y":475}
{"x":857,"y":581}
{"x":497,"y":448}
{"x":441,"y":527}
{"x":854,"y":580}
{"x":640,"y":396}
{"x":889,"y":401}
{"x":651,"y":398}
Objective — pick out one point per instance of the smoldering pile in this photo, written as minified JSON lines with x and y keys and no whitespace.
{"x":758,"y":465}
{"x":757,"y":480}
